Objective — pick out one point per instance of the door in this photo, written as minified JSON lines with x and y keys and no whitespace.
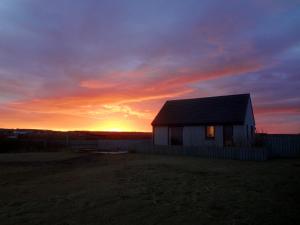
{"x":176,"y":135}
{"x":228,"y":135}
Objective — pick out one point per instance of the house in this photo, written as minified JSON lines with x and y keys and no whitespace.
{"x":213,"y":121}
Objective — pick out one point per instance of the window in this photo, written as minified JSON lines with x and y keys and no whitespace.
{"x":210,"y":132}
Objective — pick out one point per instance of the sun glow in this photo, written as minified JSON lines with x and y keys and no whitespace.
{"x":115,"y":125}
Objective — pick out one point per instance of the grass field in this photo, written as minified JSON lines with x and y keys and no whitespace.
{"x":69,"y":188}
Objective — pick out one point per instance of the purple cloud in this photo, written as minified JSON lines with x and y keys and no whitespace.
{"x":140,"y":53}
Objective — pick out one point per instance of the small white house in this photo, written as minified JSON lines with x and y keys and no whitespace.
{"x":213,"y":121}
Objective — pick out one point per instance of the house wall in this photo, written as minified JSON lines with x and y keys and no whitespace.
{"x":195,"y":136}
{"x":249,"y":121}
{"x":242,"y":133}
{"x":239,"y":135}
{"x":192,"y":136}
{"x":160,"y":135}
{"x":249,"y":115}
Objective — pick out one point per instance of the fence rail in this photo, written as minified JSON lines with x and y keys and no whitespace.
{"x":145,"y":146}
{"x":272,"y":146}
{"x":281,"y":145}
{"x":237,"y":153}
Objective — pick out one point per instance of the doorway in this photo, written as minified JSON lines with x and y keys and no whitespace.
{"x":227,"y":135}
{"x":176,"y":135}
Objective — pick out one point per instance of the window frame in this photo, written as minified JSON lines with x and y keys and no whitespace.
{"x":206,"y":133}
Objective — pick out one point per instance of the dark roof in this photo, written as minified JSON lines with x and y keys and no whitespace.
{"x":230,"y":109}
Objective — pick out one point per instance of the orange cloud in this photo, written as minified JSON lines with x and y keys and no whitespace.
{"x":103,"y":102}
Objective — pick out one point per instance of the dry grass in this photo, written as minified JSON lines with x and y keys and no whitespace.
{"x":68,"y":188}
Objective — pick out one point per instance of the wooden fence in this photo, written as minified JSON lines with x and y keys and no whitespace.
{"x":107,"y":145}
{"x":282,"y":145}
{"x":272,"y":146}
{"x":146,"y":146}
{"x":123,"y":145}
{"x":238,"y":153}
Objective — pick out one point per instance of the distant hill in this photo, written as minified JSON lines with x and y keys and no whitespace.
{"x":77,"y":135}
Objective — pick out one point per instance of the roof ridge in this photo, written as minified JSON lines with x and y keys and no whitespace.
{"x":214,"y":110}
{"x":186,"y":99}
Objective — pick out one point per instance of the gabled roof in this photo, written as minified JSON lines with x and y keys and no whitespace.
{"x":230,"y":109}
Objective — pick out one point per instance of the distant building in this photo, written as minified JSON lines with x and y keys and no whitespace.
{"x":212,"y":121}
{"x":18,"y":133}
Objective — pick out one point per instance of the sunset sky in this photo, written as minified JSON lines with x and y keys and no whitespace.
{"x":110,"y":65}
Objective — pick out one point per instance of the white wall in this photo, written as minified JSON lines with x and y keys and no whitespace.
{"x":249,"y":121}
{"x":192,"y":136}
{"x":219,"y":136}
{"x":240,"y":135}
{"x":249,"y":115}
{"x":195,"y":136}
{"x":160,"y":135}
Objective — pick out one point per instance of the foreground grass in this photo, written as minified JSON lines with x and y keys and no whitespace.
{"x":68,"y":188}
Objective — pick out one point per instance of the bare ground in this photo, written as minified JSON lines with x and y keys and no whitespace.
{"x":68,"y":188}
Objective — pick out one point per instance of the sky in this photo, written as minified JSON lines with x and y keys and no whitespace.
{"x":111,"y":65}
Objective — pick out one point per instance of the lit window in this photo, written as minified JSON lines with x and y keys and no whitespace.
{"x":210,"y":132}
